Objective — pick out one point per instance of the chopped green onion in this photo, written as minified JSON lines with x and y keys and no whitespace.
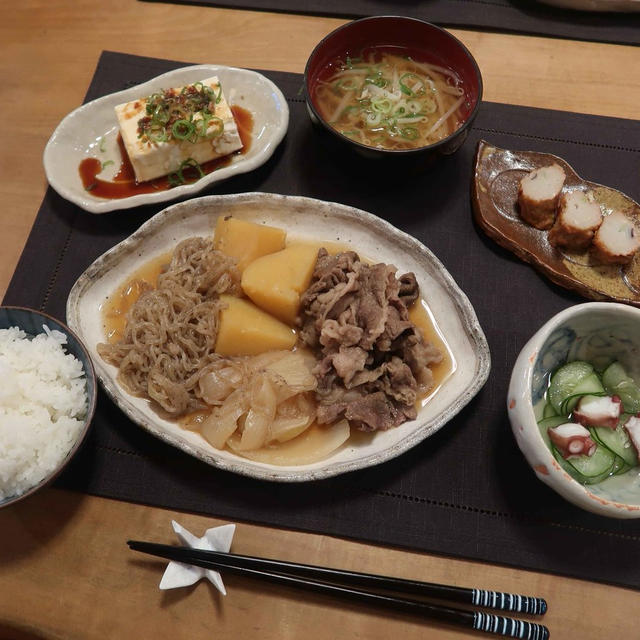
{"x":101,"y":142}
{"x":410,"y":133}
{"x":182,"y":129}
{"x":378,"y":81}
{"x":373,"y":119}
{"x":157,"y":135}
{"x":417,"y":82}
{"x":178,"y":178}
{"x":381,"y":105}
{"x":105,"y":164}
{"x":219,"y":127}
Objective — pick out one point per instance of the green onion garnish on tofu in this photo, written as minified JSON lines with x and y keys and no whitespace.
{"x":178,"y":178}
{"x":185,"y":115}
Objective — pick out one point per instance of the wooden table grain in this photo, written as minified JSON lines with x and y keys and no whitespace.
{"x":65,"y":570}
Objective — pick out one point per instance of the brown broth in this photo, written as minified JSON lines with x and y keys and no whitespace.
{"x":114,"y":308}
{"x":421,"y":316}
{"x":344,"y":95}
{"x":124,"y":183}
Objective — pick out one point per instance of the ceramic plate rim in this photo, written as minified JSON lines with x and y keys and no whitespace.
{"x":243,"y":165}
{"x":466,"y":313}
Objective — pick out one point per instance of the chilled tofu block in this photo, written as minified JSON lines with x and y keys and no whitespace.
{"x":162,"y":131}
{"x":578,"y":219}
{"x":616,"y":241}
{"x":538,"y":195}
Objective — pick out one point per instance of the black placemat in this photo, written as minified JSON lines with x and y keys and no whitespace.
{"x":466,"y":491}
{"x":517,"y":16}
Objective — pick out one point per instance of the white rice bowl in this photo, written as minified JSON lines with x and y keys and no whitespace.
{"x":43,"y":404}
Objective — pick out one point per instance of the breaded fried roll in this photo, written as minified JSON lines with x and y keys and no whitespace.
{"x":579,"y":217}
{"x":538,"y":195}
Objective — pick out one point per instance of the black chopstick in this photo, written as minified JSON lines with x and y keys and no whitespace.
{"x":256,"y":568}
{"x":475,"y":597}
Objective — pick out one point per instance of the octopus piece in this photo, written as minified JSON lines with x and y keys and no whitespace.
{"x":598,"y":411}
{"x":632,"y":425}
{"x":538,"y":195}
{"x":572,"y":440}
{"x":578,"y":219}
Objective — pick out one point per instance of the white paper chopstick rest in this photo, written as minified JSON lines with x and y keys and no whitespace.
{"x":178,"y":574}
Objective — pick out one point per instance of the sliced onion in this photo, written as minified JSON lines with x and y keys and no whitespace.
{"x":223,"y":421}
{"x":315,"y":444}
{"x":295,"y":370}
{"x":218,"y":384}
{"x":260,"y":416}
{"x":293,"y":417}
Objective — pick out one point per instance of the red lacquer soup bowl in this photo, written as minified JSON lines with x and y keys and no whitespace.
{"x":376,"y":135}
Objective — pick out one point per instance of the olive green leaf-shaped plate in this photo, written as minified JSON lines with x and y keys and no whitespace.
{"x":497,"y":175}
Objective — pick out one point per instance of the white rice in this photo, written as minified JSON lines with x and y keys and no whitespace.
{"x":43,"y":402}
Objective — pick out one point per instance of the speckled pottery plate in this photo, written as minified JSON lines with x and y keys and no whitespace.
{"x":496,"y":179}
{"x":302,"y":218}
{"x":92,"y":131}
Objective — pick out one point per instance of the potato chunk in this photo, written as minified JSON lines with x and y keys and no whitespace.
{"x":275,"y":282}
{"x":247,"y":241}
{"x":246,"y":330}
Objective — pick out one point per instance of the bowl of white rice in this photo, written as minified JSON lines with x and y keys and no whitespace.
{"x":47,"y":400}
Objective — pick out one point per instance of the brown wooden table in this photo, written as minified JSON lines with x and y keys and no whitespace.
{"x":65,"y":570}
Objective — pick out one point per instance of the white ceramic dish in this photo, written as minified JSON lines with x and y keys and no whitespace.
{"x":301,"y":217}
{"x":595,"y":331}
{"x":93,"y":127}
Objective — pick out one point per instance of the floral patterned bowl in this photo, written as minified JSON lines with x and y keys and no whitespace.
{"x":598,"y":332}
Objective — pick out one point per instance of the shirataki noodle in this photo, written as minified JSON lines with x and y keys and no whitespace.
{"x":171,"y":330}
{"x":391,"y":101}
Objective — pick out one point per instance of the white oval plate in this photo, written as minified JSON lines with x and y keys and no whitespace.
{"x":93,"y":126}
{"x":301,"y":217}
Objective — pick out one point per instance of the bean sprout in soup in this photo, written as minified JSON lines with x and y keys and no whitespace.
{"x":389,"y":99}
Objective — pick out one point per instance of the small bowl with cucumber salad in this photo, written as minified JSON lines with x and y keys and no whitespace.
{"x":574,"y":406}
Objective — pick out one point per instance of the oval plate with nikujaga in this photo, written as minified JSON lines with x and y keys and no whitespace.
{"x":497,"y":175}
{"x":302,"y":218}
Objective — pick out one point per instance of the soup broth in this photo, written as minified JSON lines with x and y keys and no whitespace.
{"x":388,"y":98}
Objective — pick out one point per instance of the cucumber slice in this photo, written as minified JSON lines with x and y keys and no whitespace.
{"x":617,"y":441}
{"x":622,"y":467}
{"x":629,"y":394}
{"x":589,"y":386}
{"x":589,"y":469}
{"x":565,"y":380}
{"x":550,"y":423}
{"x":618,"y":383}
{"x":548,"y":411}
{"x":595,"y":465}
{"x":613,"y":375}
